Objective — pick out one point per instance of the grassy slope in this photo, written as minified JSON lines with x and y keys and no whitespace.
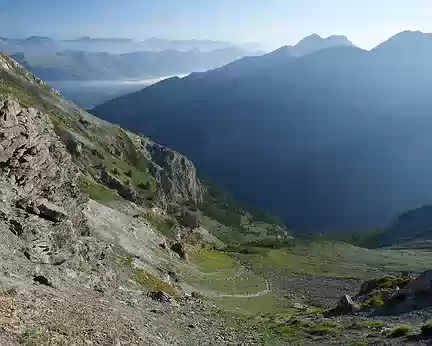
{"x":334,"y":259}
{"x":218,"y":273}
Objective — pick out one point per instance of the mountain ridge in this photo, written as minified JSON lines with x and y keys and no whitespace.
{"x":331,"y":108}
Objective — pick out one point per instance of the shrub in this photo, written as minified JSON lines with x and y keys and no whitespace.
{"x":144,"y":186}
{"x":384,"y":283}
{"x":372,"y":324}
{"x":401,"y":331}
{"x":323,"y":328}
{"x":426,"y":329}
{"x":375,"y":301}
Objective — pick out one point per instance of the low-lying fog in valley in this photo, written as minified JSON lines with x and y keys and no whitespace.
{"x":88,"y":94}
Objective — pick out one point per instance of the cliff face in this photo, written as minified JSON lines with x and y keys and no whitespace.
{"x":175,"y":174}
{"x":40,"y":199}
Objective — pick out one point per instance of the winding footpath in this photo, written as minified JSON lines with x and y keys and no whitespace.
{"x":250,"y":295}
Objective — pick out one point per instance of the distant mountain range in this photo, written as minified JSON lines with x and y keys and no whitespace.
{"x":337,"y":139}
{"x":92,"y":59}
{"x":80,"y":65}
{"x":37,"y":44}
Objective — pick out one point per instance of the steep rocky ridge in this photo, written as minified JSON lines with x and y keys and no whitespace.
{"x":96,"y":146}
{"x":42,"y":184}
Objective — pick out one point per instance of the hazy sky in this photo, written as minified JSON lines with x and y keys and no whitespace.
{"x":270,"y":22}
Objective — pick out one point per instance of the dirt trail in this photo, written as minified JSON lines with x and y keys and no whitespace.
{"x":189,"y":289}
{"x":250,"y":295}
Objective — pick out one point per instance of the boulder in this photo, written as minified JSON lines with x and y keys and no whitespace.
{"x":51,"y":211}
{"x":345,"y":306}
{"x":160,"y":296}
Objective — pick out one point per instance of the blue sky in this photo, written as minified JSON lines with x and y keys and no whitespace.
{"x":271,"y":22}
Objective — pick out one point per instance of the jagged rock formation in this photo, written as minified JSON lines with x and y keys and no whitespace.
{"x":40,"y":199}
{"x":175,"y":174}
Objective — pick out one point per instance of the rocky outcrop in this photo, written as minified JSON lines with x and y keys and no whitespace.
{"x":175,"y":174}
{"x":160,"y":296}
{"x":40,"y":200}
{"x":123,"y":190}
{"x":417,"y":294}
{"x":389,"y":295}
{"x":345,"y":306}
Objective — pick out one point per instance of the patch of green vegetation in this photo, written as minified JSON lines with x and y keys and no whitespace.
{"x":148,"y":280}
{"x":220,"y":206}
{"x":303,"y":327}
{"x":271,"y":303}
{"x":151,"y":282}
{"x":163,"y":224}
{"x":324,"y":328}
{"x":212,"y":261}
{"x":32,"y":337}
{"x":332,"y":259}
{"x":98,"y":192}
{"x":61,"y":328}
{"x":243,"y":284}
{"x":388,"y":282}
{"x":222,"y":274}
{"x":374,"y":301}
{"x":366,"y":239}
{"x":402,"y":330}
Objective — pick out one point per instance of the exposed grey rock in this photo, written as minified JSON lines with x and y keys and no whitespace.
{"x":39,"y":185}
{"x":345,"y":306}
{"x":51,"y":211}
{"x":122,"y":189}
{"x":161,"y":297}
{"x":175,"y":174}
